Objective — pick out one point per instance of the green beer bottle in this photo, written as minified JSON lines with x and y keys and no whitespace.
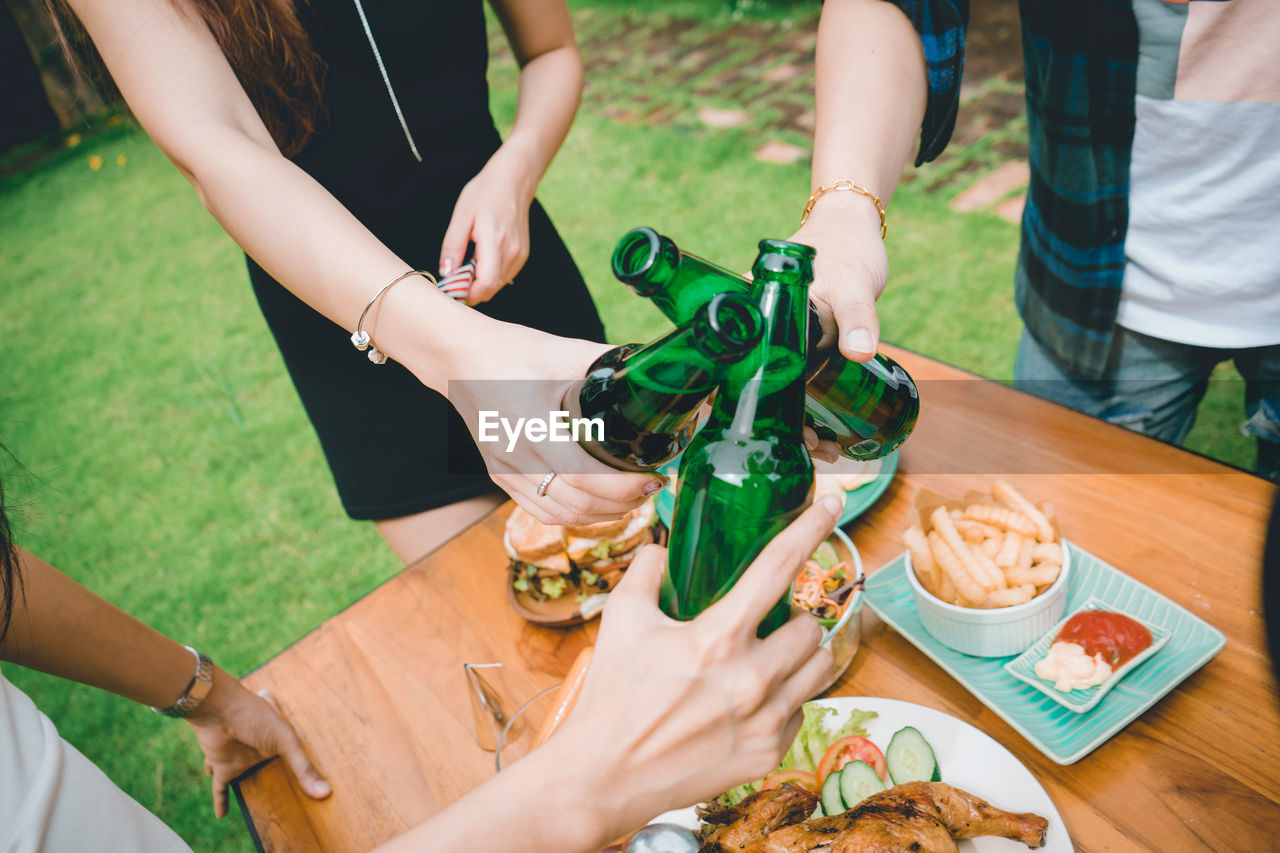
{"x":648,"y":396}
{"x":746,"y":475}
{"x":867,"y":408}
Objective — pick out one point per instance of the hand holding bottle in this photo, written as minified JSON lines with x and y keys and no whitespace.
{"x":849,"y":272}
{"x":672,"y":713}
{"x":526,"y":377}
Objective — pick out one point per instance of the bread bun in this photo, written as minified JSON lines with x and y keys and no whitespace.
{"x":599,"y":530}
{"x":626,"y":532}
{"x":591,"y":557}
{"x":531,"y":540}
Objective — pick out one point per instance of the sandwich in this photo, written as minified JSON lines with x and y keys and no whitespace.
{"x":551,"y":561}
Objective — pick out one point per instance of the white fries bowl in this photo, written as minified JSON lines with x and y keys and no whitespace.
{"x":995,"y":632}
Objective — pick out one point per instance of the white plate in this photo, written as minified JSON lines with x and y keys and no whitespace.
{"x":967,"y":758}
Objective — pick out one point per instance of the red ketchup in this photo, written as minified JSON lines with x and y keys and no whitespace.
{"x":1117,"y":637}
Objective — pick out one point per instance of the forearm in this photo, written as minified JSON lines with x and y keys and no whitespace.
{"x":870,"y":97}
{"x":61,"y":628}
{"x":305,"y":239}
{"x":544,"y":802}
{"x":550,"y":89}
{"x":182,"y":90}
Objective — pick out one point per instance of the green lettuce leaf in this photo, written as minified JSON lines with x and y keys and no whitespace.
{"x":811,"y":742}
{"x":553,"y":587}
{"x":733,"y":796}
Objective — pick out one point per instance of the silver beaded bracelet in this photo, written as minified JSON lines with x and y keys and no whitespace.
{"x":360,"y":338}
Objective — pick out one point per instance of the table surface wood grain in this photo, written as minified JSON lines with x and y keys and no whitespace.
{"x":379,"y":693}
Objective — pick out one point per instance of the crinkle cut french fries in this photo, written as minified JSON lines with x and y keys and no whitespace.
{"x":985,"y":555}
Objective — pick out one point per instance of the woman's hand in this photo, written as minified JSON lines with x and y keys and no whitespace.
{"x":493,"y":213}
{"x":237,"y":729}
{"x":850,"y":271}
{"x":526,"y":376}
{"x":823,"y":449}
{"x":671,"y":712}
{"x":849,"y":274}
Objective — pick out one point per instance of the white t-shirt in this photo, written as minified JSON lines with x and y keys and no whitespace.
{"x":54,"y":800}
{"x":1203,"y":246}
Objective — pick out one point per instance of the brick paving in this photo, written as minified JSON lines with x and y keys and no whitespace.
{"x":756,"y":79}
{"x":992,"y":187}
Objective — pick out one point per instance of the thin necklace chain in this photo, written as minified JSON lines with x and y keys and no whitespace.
{"x":395,"y":102}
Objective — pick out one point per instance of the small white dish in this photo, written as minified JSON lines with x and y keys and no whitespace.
{"x":1023,"y":667}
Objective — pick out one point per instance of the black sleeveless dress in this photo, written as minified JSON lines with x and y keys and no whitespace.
{"x":395,"y":447}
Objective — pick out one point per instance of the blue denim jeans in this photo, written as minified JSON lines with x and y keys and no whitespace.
{"x":1154,"y":387}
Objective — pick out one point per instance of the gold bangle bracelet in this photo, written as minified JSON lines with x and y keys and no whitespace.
{"x":846,"y":184}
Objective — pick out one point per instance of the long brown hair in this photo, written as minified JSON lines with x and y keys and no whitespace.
{"x":10,"y":580}
{"x":266,"y":45}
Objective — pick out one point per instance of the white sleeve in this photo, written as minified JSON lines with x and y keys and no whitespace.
{"x":54,"y":800}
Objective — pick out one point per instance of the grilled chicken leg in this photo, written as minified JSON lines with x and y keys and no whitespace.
{"x":734,"y":827}
{"x":925,"y":817}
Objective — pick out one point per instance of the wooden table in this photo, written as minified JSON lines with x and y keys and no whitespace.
{"x":378,"y":690}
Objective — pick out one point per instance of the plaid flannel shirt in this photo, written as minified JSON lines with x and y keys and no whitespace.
{"x":1081,"y":66}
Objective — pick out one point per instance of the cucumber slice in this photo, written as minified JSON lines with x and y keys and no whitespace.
{"x":858,"y":780}
{"x":831,"y":801}
{"x":910,"y":758}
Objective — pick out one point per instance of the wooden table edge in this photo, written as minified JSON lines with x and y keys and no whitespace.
{"x":244,"y":809}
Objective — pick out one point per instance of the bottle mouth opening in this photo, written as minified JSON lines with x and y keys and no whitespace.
{"x":791,"y":262}
{"x":786,"y":247}
{"x":635,"y":255}
{"x":735,"y":320}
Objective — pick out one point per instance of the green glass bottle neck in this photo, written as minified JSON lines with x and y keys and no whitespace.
{"x":765,"y":391}
{"x":678,"y":283}
{"x":785,"y":262}
{"x":697,"y":354}
{"x":645,"y":261}
{"x":673,"y":363}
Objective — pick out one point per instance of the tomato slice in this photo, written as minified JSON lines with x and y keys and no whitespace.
{"x":851,"y":748}
{"x":801,"y":778}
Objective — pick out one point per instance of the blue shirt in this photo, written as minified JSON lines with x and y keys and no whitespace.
{"x":1081,"y":63}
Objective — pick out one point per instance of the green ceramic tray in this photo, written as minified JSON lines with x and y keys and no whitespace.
{"x":1062,"y":734}
{"x":856,"y":502}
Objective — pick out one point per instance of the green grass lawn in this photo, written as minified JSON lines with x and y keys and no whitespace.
{"x":168,"y":465}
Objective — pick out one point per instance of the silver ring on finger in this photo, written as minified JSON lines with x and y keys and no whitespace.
{"x":546,"y":481}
